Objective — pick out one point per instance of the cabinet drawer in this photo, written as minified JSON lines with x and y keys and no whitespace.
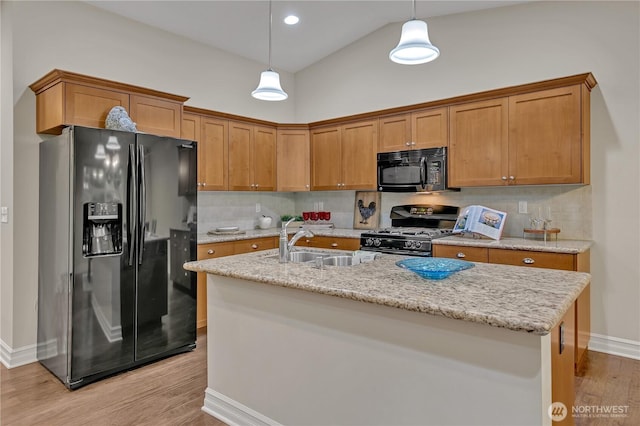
{"x":533,"y":259}
{"x":472,"y":254}
{"x":256,"y":244}
{"x":209,"y":251}
{"x":337,"y":243}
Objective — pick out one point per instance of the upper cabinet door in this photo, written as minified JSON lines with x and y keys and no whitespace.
{"x":395,"y":133}
{"x":478,"y":143}
{"x":240,"y":176}
{"x":359,"y":156}
{"x":545,"y":137}
{"x":293,"y":160}
{"x":156,"y":116}
{"x":89,"y":106}
{"x":326,"y":159}
{"x":430,"y":128}
{"x":264,"y":158}
{"x":213,"y":155}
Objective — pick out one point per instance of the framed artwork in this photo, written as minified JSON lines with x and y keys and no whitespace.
{"x":366,"y":213}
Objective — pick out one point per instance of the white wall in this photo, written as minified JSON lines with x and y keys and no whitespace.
{"x":513,"y":45}
{"x":528,"y":43}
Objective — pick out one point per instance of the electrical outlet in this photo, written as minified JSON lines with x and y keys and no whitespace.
{"x":4,"y":214}
{"x":258,"y":208}
{"x":522,"y":207}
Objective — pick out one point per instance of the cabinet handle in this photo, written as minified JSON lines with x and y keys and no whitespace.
{"x":186,"y":274}
{"x":334,"y":244}
{"x":528,"y":261}
{"x":254,"y":246}
{"x":211,"y":251}
{"x":461,"y":255}
{"x":504,"y":178}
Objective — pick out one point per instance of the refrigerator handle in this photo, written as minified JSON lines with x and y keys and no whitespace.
{"x":131,"y":197}
{"x":142,"y":204}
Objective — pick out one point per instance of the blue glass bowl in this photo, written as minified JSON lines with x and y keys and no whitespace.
{"x":434,"y":268}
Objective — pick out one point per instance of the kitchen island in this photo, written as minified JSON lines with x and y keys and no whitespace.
{"x":376,"y":344}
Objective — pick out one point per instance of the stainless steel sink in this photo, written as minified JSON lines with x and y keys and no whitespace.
{"x":338,"y":261}
{"x":305,"y":256}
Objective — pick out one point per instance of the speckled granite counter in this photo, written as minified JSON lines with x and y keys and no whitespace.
{"x":521,"y":299}
{"x":560,"y":246}
{"x":274,"y":232}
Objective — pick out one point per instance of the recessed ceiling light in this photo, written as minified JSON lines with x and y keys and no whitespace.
{"x":291,"y":20}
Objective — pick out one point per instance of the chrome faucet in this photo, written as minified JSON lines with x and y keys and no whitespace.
{"x":286,"y":246}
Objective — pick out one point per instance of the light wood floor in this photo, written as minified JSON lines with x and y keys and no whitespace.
{"x":171,"y":392}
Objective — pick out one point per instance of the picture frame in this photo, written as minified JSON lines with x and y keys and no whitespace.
{"x":366,"y":213}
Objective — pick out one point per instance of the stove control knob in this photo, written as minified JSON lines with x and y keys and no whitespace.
{"x":376,"y":242}
{"x":368,"y":242}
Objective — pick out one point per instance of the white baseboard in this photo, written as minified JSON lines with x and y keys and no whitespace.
{"x":615,"y":346}
{"x":232,"y":412}
{"x":16,"y":357}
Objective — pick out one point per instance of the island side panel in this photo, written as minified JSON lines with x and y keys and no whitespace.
{"x":295,"y":357}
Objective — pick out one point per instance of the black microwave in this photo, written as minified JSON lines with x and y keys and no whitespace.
{"x":417,"y":170}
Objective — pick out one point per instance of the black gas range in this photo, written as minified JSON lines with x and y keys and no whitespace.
{"x":412,"y":229}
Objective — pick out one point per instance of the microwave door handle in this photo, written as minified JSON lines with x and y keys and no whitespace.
{"x":423,"y":172}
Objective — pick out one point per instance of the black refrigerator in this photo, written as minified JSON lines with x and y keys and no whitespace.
{"x":108,"y":203}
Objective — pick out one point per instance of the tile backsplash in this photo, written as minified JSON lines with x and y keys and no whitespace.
{"x":569,"y":206}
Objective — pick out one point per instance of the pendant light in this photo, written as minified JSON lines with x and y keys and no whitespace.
{"x":414,"y":46}
{"x":269,"y":88}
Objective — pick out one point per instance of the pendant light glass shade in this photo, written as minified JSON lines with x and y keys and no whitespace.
{"x":414,"y":46}
{"x":269,"y":88}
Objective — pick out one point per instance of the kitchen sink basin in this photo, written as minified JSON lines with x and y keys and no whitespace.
{"x":338,"y":261}
{"x":305,"y":256}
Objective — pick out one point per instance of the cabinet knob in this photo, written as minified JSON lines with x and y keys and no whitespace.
{"x":528,"y":261}
{"x":407,"y":143}
{"x":334,"y":244}
{"x":413,"y":143}
{"x":461,"y":255}
{"x":257,"y":185}
{"x":211,"y":251}
{"x":184,"y":249}
{"x":204,"y":183}
{"x":198,"y":184}
{"x":504,"y":178}
{"x":512,"y":177}
{"x":306,"y":186}
{"x":186,"y":274}
{"x":254,"y":246}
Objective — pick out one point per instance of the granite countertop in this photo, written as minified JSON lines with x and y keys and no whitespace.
{"x":559,"y":246}
{"x":204,"y":238}
{"x":523,"y":299}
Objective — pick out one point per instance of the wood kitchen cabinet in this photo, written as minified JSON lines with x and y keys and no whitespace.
{"x":293,"y":159}
{"x":212,"y":136}
{"x":428,"y":128}
{"x":478,"y":143}
{"x":533,"y":138}
{"x":536,"y":259}
{"x":64,"y":98}
{"x":336,"y":243}
{"x":344,"y":157}
{"x":227,"y":248}
{"x":563,"y":338}
{"x":252,"y":157}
